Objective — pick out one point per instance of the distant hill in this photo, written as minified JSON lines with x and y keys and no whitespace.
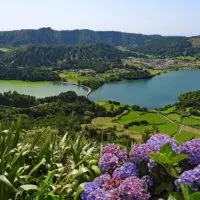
{"x":68,"y":56}
{"x":149,"y":44}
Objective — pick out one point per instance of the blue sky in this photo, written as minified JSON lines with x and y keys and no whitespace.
{"x":166,"y":17}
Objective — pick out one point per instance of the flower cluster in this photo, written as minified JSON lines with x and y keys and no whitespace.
{"x":158,"y":140}
{"x":139,"y":153}
{"x":192,"y":149}
{"x":124,"y":177}
{"x":108,"y":162}
{"x":191,"y":178}
{"x":126,"y":170}
{"x":112,"y":157}
{"x":134,"y":188}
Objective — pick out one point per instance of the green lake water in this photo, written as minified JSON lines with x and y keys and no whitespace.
{"x":152,"y":93}
{"x":39,"y":89}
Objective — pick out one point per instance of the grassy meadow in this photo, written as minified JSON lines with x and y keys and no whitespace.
{"x":168,"y":121}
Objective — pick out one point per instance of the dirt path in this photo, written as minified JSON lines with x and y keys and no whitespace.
{"x":181,"y":128}
{"x":167,"y":118}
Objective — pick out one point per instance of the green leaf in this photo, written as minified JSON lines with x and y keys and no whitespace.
{"x":96,"y":170}
{"x":179,"y":158}
{"x":160,"y":158}
{"x":185,"y":191}
{"x":79,"y":191}
{"x":172,"y":172}
{"x":35,"y":168}
{"x":28,"y":187}
{"x":4,"y":180}
{"x":166,"y":149}
{"x":83,"y":170}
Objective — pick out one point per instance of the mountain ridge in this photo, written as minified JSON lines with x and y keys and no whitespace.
{"x":155,"y":45}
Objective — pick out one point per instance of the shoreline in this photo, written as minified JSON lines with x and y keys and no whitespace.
{"x":89,"y":90}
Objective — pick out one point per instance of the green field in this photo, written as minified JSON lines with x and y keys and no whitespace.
{"x":73,"y":77}
{"x":191,"y":121}
{"x":108,"y":106}
{"x":174,"y":117}
{"x":152,"y":118}
{"x":169,"y":110}
{"x":169,"y":123}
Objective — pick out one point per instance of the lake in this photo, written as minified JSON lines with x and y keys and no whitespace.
{"x":39,"y":89}
{"x":152,"y":93}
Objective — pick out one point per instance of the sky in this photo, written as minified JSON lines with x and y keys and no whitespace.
{"x":165,"y":17}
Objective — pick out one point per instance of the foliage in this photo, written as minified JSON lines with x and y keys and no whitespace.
{"x":66,"y":111}
{"x":190,"y":100}
{"x":52,"y":169}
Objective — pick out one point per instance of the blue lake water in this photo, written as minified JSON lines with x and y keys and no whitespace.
{"x":151,"y":93}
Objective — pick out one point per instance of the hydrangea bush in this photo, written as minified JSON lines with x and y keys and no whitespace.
{"x":124,"y":176}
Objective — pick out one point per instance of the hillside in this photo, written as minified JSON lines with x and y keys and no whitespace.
{"x":149,"y":44}
{"x":49,"y":55}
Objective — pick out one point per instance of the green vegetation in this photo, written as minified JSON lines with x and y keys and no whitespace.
{"x":47,"y":163}
{"x":94,"y":80}
{"x":40,"y":164}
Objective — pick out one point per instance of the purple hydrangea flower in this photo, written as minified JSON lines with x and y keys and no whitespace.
{"x":101,"y":194}
{"x":191,"y":178}
{"x":108,"y":162}
{"x":122,"y":156}
{"x":148,"y":180}
{"x":126,"y":170}
{"x":192,"y":149}
{"x":110,"y":148}
{"x":115,"y":150}
{"x":158,"y":140}
{"x":101,"y":179}
{"x":134,"y":188}
{"x":112,"y":183}
{"x":89,"y":188}
{"x":139,"y":153}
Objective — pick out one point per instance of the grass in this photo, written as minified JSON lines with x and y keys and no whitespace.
{"x":155,"y":120}
{"x":184,"y":136}
{"x":155,"y":71}
{"x":150,"y":117}
{"x":108,"y":106}
{"x":169,"y":110}
{"x":104,"y":123}
{"x":168,"y":128}
{"x":131,"y":116}
{"x":187,"y":134}
{"x":174,"y":117}
{"x":191,"y":121}
{"x":73,"y":77}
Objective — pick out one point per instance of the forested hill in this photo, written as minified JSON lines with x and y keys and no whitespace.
{"x":68,"y":56}
{"x":49,"y":36}
{"x":149,"y":44}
